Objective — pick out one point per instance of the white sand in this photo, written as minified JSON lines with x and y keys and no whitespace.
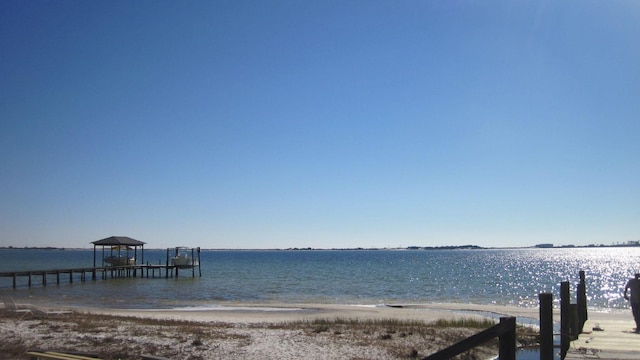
{"x":258,"y":313}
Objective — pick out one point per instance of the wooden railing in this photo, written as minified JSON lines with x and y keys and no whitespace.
{"x":505,"y":331}
{"x":572,"y":318}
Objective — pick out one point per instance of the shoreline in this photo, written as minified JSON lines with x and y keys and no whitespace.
{"x":281,"y":312}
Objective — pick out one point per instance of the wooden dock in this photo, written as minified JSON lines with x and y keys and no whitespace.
{"x":183,"y":259}
{"x":606,"y":338}
{"x":45,"y":277}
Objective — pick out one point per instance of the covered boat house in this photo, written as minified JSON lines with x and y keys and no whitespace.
{"x":123,"y":251}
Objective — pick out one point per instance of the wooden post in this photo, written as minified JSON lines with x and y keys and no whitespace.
{"x":565,"y":319}
{"x":15,"y":278}
{"x":166,"y":269}
{"x":193,"y":266}
{"x":546,"y":326}
{"x":29,"y":278}
{"x":582,"y":302}
{"x":575,"y":322}
{"x":71,"y":276}
{"x":199,"y":263}
{"x":507,"y":341}
{"x":58,"y":277}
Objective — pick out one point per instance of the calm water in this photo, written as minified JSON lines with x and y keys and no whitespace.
{"x":513,"y":277}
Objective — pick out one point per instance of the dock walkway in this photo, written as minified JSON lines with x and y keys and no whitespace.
{"x":43,"y":277}
{"x":615,"y":340}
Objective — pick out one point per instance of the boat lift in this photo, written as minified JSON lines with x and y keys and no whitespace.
{"x":184,"y":258}
{"x":116,"y":244}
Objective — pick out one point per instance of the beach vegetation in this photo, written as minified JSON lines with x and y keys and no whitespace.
{"x":410,"y":339}
{"x":465,"y":322}
{"x":122,"y":337}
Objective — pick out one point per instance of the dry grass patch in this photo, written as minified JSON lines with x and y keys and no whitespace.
{"x":120,"y":337}
{"x":114,"y":337}
{"x":407,"y":339}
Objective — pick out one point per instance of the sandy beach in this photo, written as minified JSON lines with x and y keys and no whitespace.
{"x":275,"y":313}
{"x":259,"y":331}
{"x":258,"y":313}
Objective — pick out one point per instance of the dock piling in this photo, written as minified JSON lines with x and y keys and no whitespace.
{"x":546,"y":326}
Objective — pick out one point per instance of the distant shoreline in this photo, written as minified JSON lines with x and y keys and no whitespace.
{"x":409,"y":248}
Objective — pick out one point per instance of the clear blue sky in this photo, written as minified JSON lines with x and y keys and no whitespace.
{"x":275,"y":124}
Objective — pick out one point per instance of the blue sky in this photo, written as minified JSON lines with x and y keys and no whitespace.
{"x":276,"y":124}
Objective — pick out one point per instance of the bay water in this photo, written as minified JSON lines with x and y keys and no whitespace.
{"x":358,"y":277}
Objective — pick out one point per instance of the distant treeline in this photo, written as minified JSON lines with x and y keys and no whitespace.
{"x":629,"y":244}
{"x":451,"y":247}
{"x":30,"y":248}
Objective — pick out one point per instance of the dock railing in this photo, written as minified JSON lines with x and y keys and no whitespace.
{"x":505,"y":331}
{"x":572,"y":318}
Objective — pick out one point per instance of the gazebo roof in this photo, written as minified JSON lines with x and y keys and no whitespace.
{"x":118,"y":240}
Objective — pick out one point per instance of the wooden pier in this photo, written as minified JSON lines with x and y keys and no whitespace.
{"x":120,"y":261}
{"x":44,"y":277}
